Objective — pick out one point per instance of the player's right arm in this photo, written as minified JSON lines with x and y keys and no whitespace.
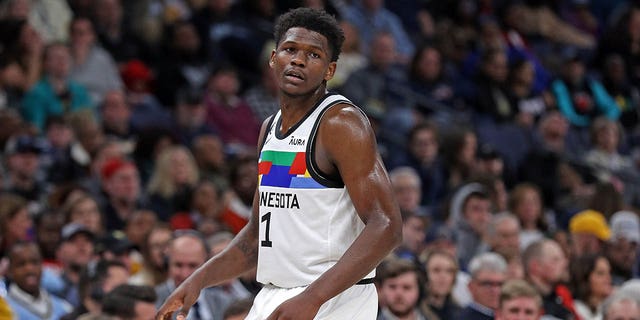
{"x":240,"y":255}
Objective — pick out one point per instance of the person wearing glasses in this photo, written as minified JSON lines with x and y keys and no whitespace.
{"x":488,"y":272}
{"x":323,"y":215}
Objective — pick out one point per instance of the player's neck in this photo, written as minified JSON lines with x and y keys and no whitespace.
{"x":294,"y":108}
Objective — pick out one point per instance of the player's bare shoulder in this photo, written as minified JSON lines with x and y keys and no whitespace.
{"x":346,"y":121}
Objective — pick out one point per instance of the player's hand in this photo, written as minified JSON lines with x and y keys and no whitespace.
{"x":300,"y":307}
{"x":180,"y":300}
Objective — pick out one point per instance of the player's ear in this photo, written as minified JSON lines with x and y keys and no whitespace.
{"x":272,"y":59}
{"x":331,"y":70}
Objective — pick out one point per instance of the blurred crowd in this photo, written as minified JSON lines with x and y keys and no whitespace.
{"x":128,"y":132}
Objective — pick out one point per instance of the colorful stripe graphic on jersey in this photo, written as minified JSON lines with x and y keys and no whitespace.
{"x":286,"y":170}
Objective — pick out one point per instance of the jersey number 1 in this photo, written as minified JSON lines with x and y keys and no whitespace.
{"x":266,"y":218}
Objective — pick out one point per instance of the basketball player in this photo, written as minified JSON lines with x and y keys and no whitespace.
{"x":324,"y":215}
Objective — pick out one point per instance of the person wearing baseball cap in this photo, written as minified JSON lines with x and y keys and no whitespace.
{"x":589,"y":232}
{"x":622,"y":248}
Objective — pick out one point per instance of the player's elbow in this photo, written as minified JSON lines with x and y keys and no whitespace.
{"x":394,"y":232}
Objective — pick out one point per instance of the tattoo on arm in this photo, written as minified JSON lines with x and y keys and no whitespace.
{"x":249,"y":249}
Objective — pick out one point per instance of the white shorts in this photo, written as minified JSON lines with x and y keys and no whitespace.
{"x":360,"y":302}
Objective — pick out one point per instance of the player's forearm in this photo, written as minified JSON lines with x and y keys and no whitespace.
{"x":240,"y":256}
{"x":374,"y":243}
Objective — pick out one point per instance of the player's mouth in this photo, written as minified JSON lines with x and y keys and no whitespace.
{"x":294,"y":76}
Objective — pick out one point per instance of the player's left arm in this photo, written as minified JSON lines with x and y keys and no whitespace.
{"x":346,"y":140}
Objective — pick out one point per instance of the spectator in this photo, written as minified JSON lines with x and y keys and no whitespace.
{"x":191,"y":117}
{"x":23,"y":168}
{"x":617,"y":82}
{"x":65,"y":158}
{"x":526,"y":204}
{"x":54,"y":93}
{"x":407,"y":188}
{"x":529,"y":105}
{"x":400,"y":287}
{"x":414,"y":232}
{"x":470,"y":214}
{"x":138,"y":227}
{"x":48,"y":227}
{"x":146,"y":110}
{"x":546,"y":266}
{"x":130,"y":302}
{"x":589,"y":232}
{"x":174,"y":178}
{"x":93,"y":67}
{"x":491,"y":96}
{"x":15,"y":221}
{"x":226,"y":108}
{"x":116,"y":114}
{"x":113,"y":33}
{"x":84,"y":210}
{"x":519,"y":301}
{"x":121,"y":185}
{"x":74,"y":254}
{"x":27,"y":299}
{"x":424,"y":157}
{"x":622,"y":248}
{"x":154,"y":267}
{"x":503,"y":238}
{"x":371,"y":17}
{"x":591,"y":285}
{"x":97,"y":280}
{"x":22,"y":55}
{"x":186,"y":252}
{"x":375,"y":87}
{"x":488,"y":272}
{"x":351,"y":56}
{"x":237,"y":207}
{"x":459,"y":148}
{"x":621,"y":306}
{"x":185,"y":66}
{"x":209,"y":153}
{"x":262,"y":98}
{"x":441,"y":271}
{"x":579,"y":97}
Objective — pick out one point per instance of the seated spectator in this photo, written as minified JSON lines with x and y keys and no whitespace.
{"x":491,"y":96}
{"x":423,"y":156}
{"x":621,"y":306}
{"x":208,"y":151}
{"x":174,"y":178}
{"x":622,"y":248}
{"x":23,"y":168}
{"x":579,"y":97}
{"x":400,"y":288}
{"x":146,"y":110}
{"x":441,"y":269}
{"x":121,"y":186}
{"x":113,"y":34}
{"x":590,"y":284}
{"x":616,"y":81}
{"x":503,"y":238}
{"x":407,"y":189}
{"x":526,"y":204}
{"x":138,"y":227}
{"x":96,"y":281}
{"x":518,"y":300}
{"x":371,"y":17}
{"x":488,"y":272}
{"x":93,"y":67}
{"x":15,"y":221}
{"x":130,"y":302}
{"x":22,"y":58}
{"x":237,"y":206}
{"x":351,"y":56}
{"x":115,"y":113}
{"x":190,"y":119}
{"x":546,"y":267}
{"x":84,"y":210}
{"x":414,"y":232}
{"x":65,"y":158}
{"x":262,"y":97}
{"x":154,"y":266}
{"x":528,"y":104}
{"x":470,"y":213}
{"x":48,"y":227}
{"x":27,"y":299}
{"x":54,"y":93}
{"x":459,"y":150}
{"x":589,"y":232}
{"x":226,"y":109}
{"x":74,"y":253}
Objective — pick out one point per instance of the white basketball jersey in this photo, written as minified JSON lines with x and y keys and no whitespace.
{"x":307,"y":221}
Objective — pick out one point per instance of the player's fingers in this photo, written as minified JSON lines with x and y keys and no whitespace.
{"x":182,"y":313}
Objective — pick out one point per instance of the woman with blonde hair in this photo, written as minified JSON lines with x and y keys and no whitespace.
{"x":441,"y":269}
{"x":84,"y":209}
{"x":174,"y":177}
{"x":525,"y":202}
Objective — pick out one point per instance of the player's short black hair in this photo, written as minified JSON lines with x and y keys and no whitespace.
{"x":314,"y":20}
